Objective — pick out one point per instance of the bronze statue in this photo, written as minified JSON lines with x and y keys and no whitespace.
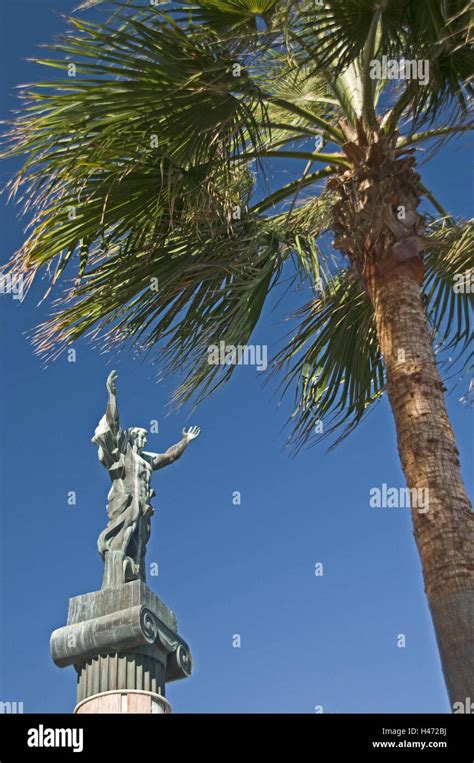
{"x":122,"y":544}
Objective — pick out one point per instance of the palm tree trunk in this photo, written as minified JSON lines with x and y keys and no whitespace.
{"x":430,"y":461}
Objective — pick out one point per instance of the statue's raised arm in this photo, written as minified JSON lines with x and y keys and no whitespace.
{"x":108,"y":435}
{"x":111,"y":414}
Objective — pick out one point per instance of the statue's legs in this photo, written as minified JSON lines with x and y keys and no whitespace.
{"x":144,"y":532}
{"x":113,"y":569}
{"x":127,"y":536}
{"x":121,"y":545}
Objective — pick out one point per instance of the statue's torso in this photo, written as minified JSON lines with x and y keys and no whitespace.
{"x":131,"y":475}
{"x":138,"y":473}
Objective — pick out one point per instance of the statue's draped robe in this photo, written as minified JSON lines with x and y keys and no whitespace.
{"x":128,"y":507}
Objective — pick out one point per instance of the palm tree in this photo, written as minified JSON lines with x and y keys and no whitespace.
{"x":145,"y":171}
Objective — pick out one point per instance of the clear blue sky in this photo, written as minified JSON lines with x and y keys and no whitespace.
{"x":224,"y":569}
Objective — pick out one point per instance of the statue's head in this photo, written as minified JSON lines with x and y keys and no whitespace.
{"x":138,"y":437}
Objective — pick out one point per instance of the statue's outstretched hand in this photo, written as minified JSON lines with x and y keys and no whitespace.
{"x":111,"y":379}
{"x":192,"y":433}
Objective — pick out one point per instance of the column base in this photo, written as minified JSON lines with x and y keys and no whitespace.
{"x":127,"y":701}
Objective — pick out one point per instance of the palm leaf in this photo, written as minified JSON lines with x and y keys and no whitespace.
{"x":449,"y":268}
{"x":334,"y":362}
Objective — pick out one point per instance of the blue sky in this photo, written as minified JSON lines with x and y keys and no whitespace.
{"x":306,"y":640}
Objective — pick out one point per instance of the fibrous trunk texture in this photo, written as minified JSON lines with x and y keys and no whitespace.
{"x":443,"y":525}
{"x":377,"y":225}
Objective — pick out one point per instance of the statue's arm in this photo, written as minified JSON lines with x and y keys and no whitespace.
{"x":111,"y":413}
{"x":108,"y":436}
{"x":159,"y":460}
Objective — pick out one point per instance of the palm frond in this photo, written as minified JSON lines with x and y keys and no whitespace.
{"x":138,"y":145}
{"x":334,"y":362}
{"x":180,"y":296}
{"x":449,"y":283}
{"x":336,"y":34}
{"x":224,"y":15}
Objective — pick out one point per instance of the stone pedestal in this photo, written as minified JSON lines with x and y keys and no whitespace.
{"x":124,"y":645}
